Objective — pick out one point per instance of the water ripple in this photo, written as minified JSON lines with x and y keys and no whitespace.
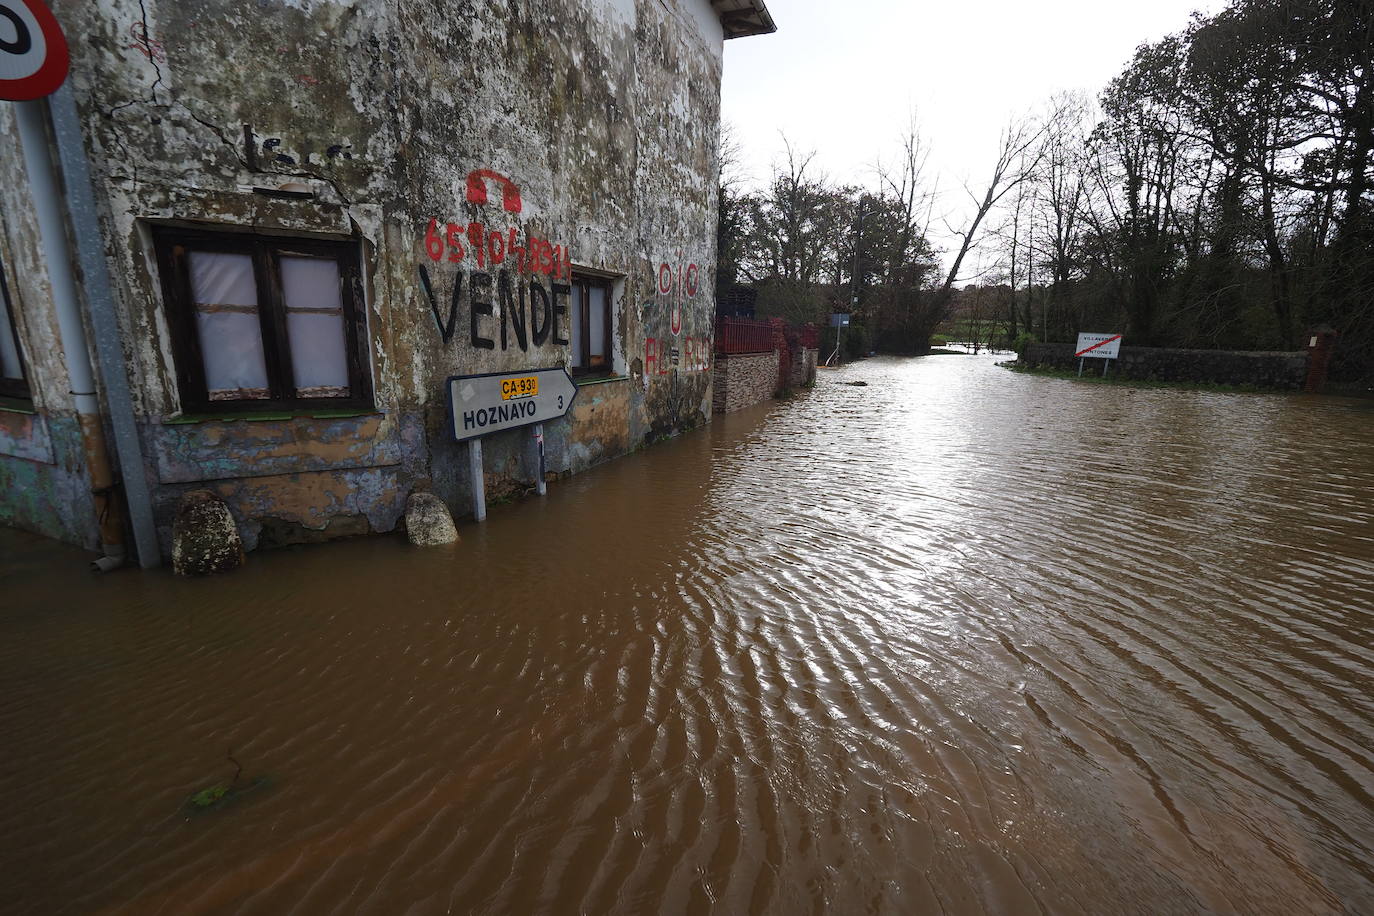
{"x":958,"y":640}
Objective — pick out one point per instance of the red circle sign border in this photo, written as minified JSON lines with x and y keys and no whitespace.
{"x":48,"y":77}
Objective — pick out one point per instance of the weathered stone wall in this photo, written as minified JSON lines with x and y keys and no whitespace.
{"x":1280,"y":370}
{"x":803,"y":367}
{"x":43,"y":482}
{"x":44,"y":486}
{"x":743,"y":380}
{"x":601,"y":114}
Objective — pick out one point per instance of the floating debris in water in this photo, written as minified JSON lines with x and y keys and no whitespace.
{"x":221,"y":794}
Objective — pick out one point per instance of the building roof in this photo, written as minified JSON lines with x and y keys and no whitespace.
{"x":744,"y":17}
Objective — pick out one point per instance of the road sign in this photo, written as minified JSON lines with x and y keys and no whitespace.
{"x":839,"y":319}
{"x":33,"y":52}
{"x":1101,"y":346}
{"x":483,"y":404}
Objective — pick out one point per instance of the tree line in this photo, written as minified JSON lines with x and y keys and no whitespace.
{"x":1218,"y":193}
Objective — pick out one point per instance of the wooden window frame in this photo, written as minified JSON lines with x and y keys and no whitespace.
{"x":11,"y":387}
{"x":266,"y":251}
{"x":582,"y":362}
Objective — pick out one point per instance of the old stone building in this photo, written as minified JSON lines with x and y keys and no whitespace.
{"x":314,"y":212}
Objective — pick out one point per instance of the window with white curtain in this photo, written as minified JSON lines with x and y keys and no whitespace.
{"x":261,"y":321}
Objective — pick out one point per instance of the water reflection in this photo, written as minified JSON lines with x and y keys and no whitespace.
{"x":959,"y":639}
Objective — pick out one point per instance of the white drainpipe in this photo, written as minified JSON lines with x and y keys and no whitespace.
{"x":57,"y":256}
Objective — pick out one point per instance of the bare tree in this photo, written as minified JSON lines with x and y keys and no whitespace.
{"x":1020,"y":151}
{"x":794,"y":220}
{"x":1010,"y":234}
{"x":732,"y":212}
{"x":904,"y":205}
{"x":904,"y":185}
{"x":1061,"y":183}
{"x":795,"y":225}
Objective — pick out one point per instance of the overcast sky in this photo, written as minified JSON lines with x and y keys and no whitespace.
{"x":840,"y":77}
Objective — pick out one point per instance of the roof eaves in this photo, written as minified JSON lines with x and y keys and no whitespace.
{"x":742,"y":18}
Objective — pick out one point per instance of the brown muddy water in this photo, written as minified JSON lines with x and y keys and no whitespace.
{"x":961,"y":640}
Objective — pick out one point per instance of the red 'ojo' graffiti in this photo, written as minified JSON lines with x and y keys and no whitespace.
{"x":667,"y":279}
{"x":680,"y":284}
{"x":662,"y":355}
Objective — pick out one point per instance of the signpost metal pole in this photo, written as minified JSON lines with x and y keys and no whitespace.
{"x":479,"y":487}
{"x":1080,"y":366}
{"x":839,"y":321}
{"x":540,"y":485}
{"x":490,"y":402}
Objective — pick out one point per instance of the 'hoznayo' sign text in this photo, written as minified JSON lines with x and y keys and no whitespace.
{"x":483,"y":404}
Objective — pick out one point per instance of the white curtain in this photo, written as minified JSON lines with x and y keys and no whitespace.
{"x":226,"y":299}
{"x":597,"y":325}
{"x":315,"y":325}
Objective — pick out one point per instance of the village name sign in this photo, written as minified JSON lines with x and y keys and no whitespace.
{"x":488,"y":403}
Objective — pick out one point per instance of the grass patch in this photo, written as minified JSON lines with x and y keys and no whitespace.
{"x":1090,"y":378}
{"x":964,"y":329}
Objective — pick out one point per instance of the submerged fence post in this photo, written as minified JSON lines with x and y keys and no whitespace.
{"x":478,"y":480}
{"x":540,"y":485}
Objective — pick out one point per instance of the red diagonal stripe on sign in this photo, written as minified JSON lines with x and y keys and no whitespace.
{"x":1099,"y":344}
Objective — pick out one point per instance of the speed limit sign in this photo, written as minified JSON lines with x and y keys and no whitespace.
{"x":33,"y":53}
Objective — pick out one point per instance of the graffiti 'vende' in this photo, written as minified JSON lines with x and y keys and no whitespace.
{"x":529,"y":313}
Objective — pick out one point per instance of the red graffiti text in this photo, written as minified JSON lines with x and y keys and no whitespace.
{"x":661,"y":357}
{"x":455,"y":242}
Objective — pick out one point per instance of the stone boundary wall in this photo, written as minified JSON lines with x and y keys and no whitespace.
{"x":1263,"y":369}
{"x":743,"y":380}
{"x":803,"y":367}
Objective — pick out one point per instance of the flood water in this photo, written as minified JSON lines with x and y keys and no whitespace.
{"x":960,"y":640}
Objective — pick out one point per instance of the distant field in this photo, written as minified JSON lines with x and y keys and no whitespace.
{"x":962,"y":329}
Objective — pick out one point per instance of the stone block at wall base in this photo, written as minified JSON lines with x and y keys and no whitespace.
{"x":205,"y":539}
{"x":428,"y":522}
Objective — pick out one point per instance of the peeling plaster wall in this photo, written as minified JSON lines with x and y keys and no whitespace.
{"x":603,"y":115}
{"x":44,"y":486}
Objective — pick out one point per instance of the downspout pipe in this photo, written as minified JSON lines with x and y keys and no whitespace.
{"x":49,"y":209}
{"x":110,"y":364}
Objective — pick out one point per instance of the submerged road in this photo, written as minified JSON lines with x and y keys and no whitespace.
{"x":960,"y":640}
